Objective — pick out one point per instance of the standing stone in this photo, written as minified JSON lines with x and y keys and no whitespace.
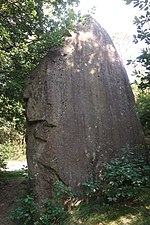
{"x":80,"y":110}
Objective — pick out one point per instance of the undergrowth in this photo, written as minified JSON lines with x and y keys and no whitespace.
{"x":119,"y":196}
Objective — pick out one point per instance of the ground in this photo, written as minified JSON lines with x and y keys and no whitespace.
{"x":11,"y":187}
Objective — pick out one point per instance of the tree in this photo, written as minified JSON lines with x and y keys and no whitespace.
{"x":28,"y":28}
{"x":142,"y":23}
{"x":142,"y":62}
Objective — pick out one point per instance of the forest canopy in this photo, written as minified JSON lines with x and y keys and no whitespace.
{"x":142,"y":62}
{"x":143,"y":35}
{"x":28,"y":28}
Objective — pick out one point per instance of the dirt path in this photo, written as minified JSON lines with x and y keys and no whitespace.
{"x":16,"y":165}
{"x":9,"y":192}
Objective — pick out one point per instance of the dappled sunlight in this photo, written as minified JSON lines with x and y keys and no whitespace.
{"x":91,"y":58}
{"x":91,"y":49}
{"x":85,"y":45}
{"x":84,"y":36}
{"x":111,"y":52}
{"x":126,"y":220}
{"x":93,"y":71}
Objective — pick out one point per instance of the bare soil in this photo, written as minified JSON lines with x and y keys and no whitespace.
{"x":9,"y":192}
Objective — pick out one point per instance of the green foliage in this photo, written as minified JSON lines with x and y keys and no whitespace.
{"x":143,"y":104}
{"x":12,"y":144}
{"x":55,"y":209}
{"x":142,"y":99}
{"x":120,"y":179}
{"x":61,"y":192}
{"x":133,"y":213}
{"x":28,"y":29}
{"x":12,"y":116}
{"x":9,"y":175}
{"x":142,"y":62}
{"x":123,"y":177}
{"x":51,"y":211}
{"x":13,"y":150}
{"x":91,"y":188}
{"x":27,"y":32}
{"x":143,"y":34}
{"x":25,"y":213}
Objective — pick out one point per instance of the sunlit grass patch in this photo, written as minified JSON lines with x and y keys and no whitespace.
{"x":131,"y":213}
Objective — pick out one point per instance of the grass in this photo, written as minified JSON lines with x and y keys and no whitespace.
{"x":7,"y":176}
{"x":132,"y":213}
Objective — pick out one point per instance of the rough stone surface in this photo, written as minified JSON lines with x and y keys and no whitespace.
{"x":80,"y":110}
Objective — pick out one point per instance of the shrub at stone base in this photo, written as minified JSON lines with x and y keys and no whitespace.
{"x":121,"y":180}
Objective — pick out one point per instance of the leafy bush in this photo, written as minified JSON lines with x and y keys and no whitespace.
{"x":51,"y":211}
{"x":55,"y":209}
{"x":26,"y":211}
{"x":121,"y":179}
{"x":91,"y":189}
